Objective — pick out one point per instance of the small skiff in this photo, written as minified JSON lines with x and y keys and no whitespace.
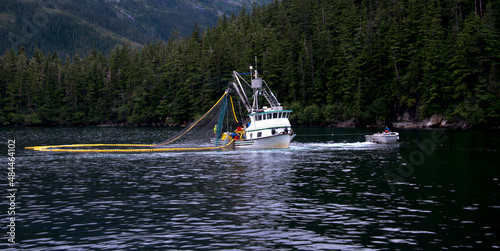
{"x":383,"y":138}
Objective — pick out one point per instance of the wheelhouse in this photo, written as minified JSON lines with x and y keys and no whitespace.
{"x":284,"y":114}
{"x":268,"y":123}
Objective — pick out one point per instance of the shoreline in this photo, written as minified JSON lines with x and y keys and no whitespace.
{"x":436,"y":121}
{"x":424,"y":124}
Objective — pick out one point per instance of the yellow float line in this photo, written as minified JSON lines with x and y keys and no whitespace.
{"x":92,"y":145}
{"x":49,"y":148}
{"x":45,"y":148}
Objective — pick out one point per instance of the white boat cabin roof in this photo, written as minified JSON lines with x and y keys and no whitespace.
{"x":271,"y":114}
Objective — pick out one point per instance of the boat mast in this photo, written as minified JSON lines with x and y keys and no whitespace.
{"x":256,"y":86}
{"x":258,"y":90}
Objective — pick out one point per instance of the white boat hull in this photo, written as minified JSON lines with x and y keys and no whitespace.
{"x":273,"y":142}
{"x":383,"y":138}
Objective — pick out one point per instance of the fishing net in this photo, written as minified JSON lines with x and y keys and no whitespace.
{"x":209,"y":132}
{"x":221,"y":118}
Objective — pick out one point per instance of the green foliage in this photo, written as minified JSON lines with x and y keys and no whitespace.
{"x":337,"y":112}
{"x":311,"y":115}
{"x":474,"y":114}
{"x":32,"y":119}
{"x":366,"y":61}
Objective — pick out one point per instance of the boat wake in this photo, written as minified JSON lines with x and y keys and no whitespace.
{"x":341,"y":146}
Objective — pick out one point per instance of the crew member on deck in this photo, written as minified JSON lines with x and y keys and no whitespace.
{"x":235,"y":136}
{"x":387,"y":129}
{"x":239,"y":131}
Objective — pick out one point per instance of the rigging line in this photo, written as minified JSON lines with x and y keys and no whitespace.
{"x":166,"y":143}
{"x":234,"y":113}
{"x":227,"y":114}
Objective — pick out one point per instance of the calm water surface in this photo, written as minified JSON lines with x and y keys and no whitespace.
{"x":433,"y":190}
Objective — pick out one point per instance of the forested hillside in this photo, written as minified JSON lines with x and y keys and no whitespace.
{"x":329,"y":60}
{"x":74,"y":26}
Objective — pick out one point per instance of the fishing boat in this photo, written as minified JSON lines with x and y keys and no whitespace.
{"x":264,"y":127}
{"x":383,"y":138}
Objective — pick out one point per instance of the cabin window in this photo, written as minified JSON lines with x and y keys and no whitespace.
{"x":259,"y":134}
{"x":275,"y":115}
{"x":259,"y":117}
{"x":287,"y":115}
{"x":269,"y":116}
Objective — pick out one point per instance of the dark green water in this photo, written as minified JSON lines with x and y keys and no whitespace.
{"x":433,"y":190}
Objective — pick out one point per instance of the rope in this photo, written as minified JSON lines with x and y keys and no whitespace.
{"x":49,"y":148}
{"x":41,"y":148}
{"x":234,"y":113}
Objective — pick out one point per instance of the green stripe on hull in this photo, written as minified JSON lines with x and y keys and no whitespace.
{"x":253,"y":114}
{"x":244,"y":143}
{"x":269,"y":128}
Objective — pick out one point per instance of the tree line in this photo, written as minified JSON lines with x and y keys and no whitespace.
{"x":328,"y":60}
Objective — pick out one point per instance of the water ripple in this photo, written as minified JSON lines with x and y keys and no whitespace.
{"x":314,"y":196}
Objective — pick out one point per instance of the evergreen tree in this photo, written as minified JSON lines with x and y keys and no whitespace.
{"x":329,"y":60}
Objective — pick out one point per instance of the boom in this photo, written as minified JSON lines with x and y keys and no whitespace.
{"x":258,"y":89}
